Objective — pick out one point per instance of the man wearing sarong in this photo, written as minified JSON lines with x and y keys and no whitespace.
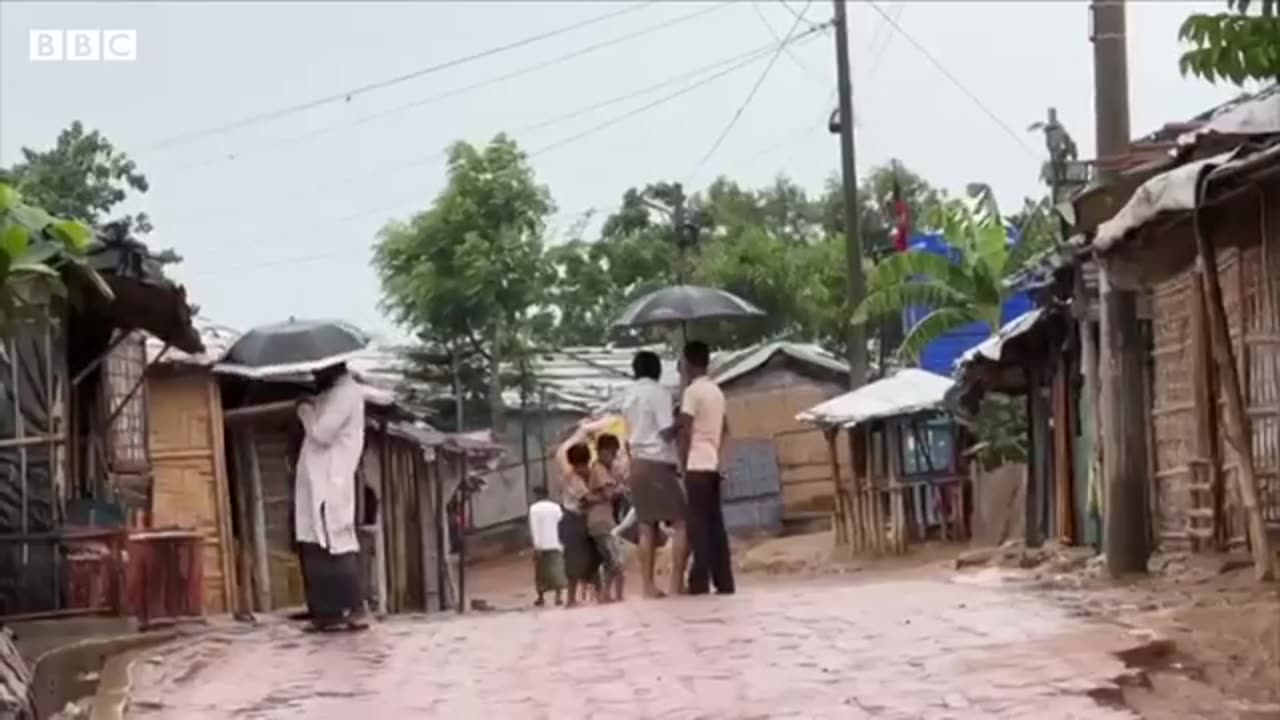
{"x":325,"y":500}
{"x":655,"y":485}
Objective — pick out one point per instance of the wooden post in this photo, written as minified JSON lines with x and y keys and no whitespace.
{"x":859,"y":461}
{"x":1091,"y":425}
{"x":1204,"y":381}
{"x":896,"y":509}
{"x":1035,"y":460}
{"x":1062,"y":453}
{"x":257,"y":505}
{"x":875,"y":500}
{"x":839,"y":520}
{"x":1237,"y":420}
{"x":387,"y":528}
{"x":1124,"y":453}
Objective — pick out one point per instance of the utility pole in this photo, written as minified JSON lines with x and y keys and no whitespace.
{"x":1126,"y":540}
{"x":855,"y":283}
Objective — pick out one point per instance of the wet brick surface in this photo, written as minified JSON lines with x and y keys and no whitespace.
{"x":904,"y":649}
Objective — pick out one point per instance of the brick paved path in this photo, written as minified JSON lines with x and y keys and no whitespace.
{"x":904,"y":649}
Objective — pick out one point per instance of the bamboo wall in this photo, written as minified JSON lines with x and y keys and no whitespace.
{"x":1197,"y":505}
{"x":769,"y":412}
{"x":190,"y":480}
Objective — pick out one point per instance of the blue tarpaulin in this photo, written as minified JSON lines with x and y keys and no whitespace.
{"x":940,"y":355}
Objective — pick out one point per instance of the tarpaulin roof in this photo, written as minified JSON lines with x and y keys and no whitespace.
{"x":1171,"y":191}
{"x":906,"y":392}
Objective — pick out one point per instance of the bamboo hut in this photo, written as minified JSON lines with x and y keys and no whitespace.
{"x":908,"y":480}
{"x":765,"y":387}
{"x":1036,"y":356}
{"x":75,"y":470}
{"x":405,"y":479}
{"x":1201,"y":240}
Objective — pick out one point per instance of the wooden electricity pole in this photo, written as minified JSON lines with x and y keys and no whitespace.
{"x":855,"y":283}
{"x":1126,"y":539}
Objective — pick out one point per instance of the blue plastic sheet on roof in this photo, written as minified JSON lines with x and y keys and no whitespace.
{"x":940,"y":355}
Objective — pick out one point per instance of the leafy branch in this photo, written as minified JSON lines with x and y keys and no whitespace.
{"x":1235,"y":46}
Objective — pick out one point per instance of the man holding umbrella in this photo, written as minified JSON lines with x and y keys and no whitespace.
{"x":324,"y":500}
{"x":333,"y":441}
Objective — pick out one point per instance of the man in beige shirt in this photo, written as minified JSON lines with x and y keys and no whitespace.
{"x":702,"y":428}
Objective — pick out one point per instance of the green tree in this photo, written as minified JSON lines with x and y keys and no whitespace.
{"x":970,"y":287}
{"x":1236,"y":46}
{"x":773,"y":245}
{"x":36,"y":251}
{"x":470,"y":272}
{"x":82,"y":177}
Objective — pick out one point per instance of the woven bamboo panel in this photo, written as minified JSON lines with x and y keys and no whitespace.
{"x":127,"y":435}
{"x":1261,"y":371}
{"x":1173,"y":401}
{"x":188,"y":491}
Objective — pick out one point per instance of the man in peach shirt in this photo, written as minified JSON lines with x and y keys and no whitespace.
{"x":701,"y":429}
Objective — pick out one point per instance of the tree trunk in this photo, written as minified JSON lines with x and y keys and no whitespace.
{"x":1237,"y":420}
{"x":496,"y":419}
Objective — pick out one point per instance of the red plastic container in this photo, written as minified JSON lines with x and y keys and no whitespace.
{"x":165,"y":576}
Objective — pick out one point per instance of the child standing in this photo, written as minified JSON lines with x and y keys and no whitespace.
{"x":548,"y":552}
{"x":605,"y":489}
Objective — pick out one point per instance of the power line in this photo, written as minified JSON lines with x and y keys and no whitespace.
{"x":347,"y":95}
{"x":648,"y":106}
{"x":778,"y":38}
{"x":383,"y":207}
{"x":295,"y":139}
{"x":734,"y":63}
{"x":882,"y":49}
{"x":750,"y":95}
{"x":799,"y":15}
{"x":953,"y":79}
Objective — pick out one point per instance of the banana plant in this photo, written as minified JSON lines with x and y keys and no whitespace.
{"x":37,"y":253}
{"x":970,"y":286}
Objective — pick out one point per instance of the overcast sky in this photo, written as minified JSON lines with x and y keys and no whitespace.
{"x":275,"y":217}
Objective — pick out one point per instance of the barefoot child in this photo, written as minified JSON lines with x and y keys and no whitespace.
{"x":548,"y":553}
{"x":605,"y":489}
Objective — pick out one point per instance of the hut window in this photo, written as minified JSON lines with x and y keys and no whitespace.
{"x":927,"y":446}
{"x":121,"y":394}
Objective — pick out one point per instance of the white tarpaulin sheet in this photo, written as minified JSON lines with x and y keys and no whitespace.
{"x":906,"y":392}
{"x":1173,"y":191}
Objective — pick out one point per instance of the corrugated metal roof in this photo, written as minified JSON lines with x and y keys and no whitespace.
{"x":991,"y":347}
{"x":906,"y":392}
{"x":731,"y":365}
{"x":585,"y":379}
{"x":1257,"y":114}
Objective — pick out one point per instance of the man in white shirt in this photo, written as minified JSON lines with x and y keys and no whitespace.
{"x":548,"y":553}
{"x":325,"y":500}
{"x":702,"y":427}
{"x":655,"y":484}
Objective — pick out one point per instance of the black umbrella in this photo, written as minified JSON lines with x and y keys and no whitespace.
{"x":685,"y":303}
{"x":294,"y":346}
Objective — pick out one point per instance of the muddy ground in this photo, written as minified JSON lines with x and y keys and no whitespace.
{"x":1222,"y":658}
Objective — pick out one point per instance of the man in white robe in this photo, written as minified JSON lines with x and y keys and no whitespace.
{"x":325,"y":499}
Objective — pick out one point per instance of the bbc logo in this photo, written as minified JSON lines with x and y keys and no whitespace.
{"x":83,"y":45}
